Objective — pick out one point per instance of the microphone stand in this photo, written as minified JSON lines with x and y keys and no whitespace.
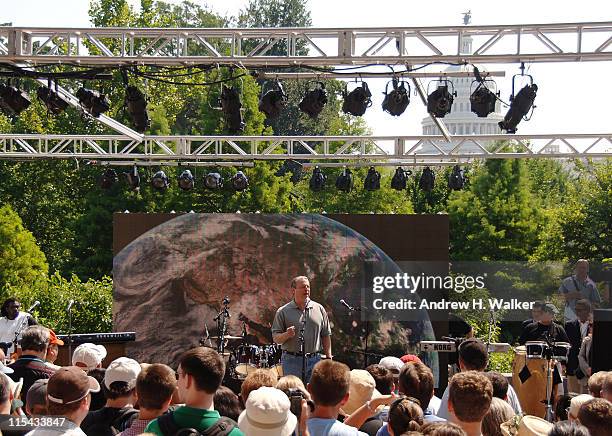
{"x":70,"y":329}
{"x":549,"y":376}
{"x":302,"y":341}
{"x":221,"y":319}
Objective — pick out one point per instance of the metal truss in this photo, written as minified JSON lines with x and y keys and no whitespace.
{"x":568,"y":42}
{"x":326,"y":150}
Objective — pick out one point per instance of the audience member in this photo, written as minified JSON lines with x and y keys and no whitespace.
{"x":88,"y":356}
{"x":566,"y":428}
{"x":595,"y":383}
{"x":596,"y":415}
{"x":98,"y":400}
{"x":499,"y":412}
{"x":258,"y":378}
{"x":405,"y":414}
{"x":6,"y":395}
{"x":31,"y":364}
{"x":53,"y":350}
{"x":292,"y":382}
{"x":154,"y":388}
{"x":36,"y":399}
{"x":267,"y":414}
{"x":527,"y":425}
{"x":410,"y":358}
{"x":469,"y":397}
{"x":473,"y":356}
{"x":200,"y":373}
{"x":562,"y":405}
{"x":442,"y":429}
{"x":362,"y":391}
{"x":227,"y":403}
{"x":68,"y":395}
{"x":393,"y":364}
{"x":383,"y":377}
{"x":500,"y":384}
{"x":329,"y":389}
{"x":119,"y":389}
{"x":606,"y":387}
{"x":577,"y":329}
{"x":575,"y":404}
{"x":416,"y":380}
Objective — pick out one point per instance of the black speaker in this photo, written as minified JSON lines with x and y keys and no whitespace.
{"x":602,"y":340}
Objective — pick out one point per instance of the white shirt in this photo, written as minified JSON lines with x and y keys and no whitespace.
{"x":8,"y":327}
{"x":584,"y":328}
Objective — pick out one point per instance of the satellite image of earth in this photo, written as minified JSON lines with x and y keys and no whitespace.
{"x":170,"y":283}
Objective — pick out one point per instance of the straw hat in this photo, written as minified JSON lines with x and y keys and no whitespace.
{"x":526,"y":426}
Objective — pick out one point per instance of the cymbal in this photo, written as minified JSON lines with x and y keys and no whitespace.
{"x":225,"y":353}
{"x":229,"y":337}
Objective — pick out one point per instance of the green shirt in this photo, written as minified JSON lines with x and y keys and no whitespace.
{"x":317,"y":326}
{"x":190,"y":417}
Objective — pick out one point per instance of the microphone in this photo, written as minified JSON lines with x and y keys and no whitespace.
{"x":36,"y":303}
{"x":306,"y":303}
{"x":345,"y":304}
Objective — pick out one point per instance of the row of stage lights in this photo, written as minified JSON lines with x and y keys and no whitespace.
{"x":239,"y":181}
{"x":273,"y":100}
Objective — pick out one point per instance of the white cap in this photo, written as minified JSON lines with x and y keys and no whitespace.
{"x":88,"y":355}
{"x":392,"y":363}
{"x":578,"y":401}
{"x":122,"y":369}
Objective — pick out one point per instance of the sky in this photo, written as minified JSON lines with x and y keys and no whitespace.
{"x":572,"y":97}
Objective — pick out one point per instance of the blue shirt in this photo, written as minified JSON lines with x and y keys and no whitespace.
{"x":331,"y":427}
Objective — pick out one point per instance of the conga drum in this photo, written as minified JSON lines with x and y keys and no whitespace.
{"x":531,"y":391}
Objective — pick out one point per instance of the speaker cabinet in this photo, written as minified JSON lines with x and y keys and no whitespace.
{"x":602,"y":340}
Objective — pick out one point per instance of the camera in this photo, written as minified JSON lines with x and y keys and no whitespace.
{"x":295,"y":397}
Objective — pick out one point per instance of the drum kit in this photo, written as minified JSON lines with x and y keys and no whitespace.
{"x":532,"y":374}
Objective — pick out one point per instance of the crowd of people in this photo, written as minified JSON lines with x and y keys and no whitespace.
{"x":394,"y":397}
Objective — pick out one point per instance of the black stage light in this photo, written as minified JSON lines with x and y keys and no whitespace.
{"x":213,"y":181}
{"x":54,"y":103}
{"x":456,"y":179}
{"x":427,"y":180}
{"x":293,"y":167}
{"x":357,"y":101}
{"x":344,"y":182}
{"x":240,"y":182}
{"x":94,"y":102}
{"x":397,"y":100}
{"x":136,"y":104}
{"x":133,"y":179}
{"x":13,"y":101}
{"x":314,"y":100}
{"x":372,"y":180}
{"x":109,"y":178}
{"x":159,"y":181}
{"x":482,"y":100}
{"x":400,"y":179}
{"x":318,"y":179}
{"x":273,"y":100}
{"x":520,"y":105}
{"x":186,"y":181}
{"x":231,"y":105}
{"x":440,"y":101}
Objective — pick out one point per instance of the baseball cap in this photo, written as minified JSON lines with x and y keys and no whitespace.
{"x":392,"y":363}
{"x":550,"y":308}
{"x":267,"y":412}
{"x":37,"y":394}
{"x":122,"y":369}
{"x":70,"y":384}
{"x":88,"y":355}
{"x":53,"y":339}
{"x":362,"y":388}
{"x":410,"y":358}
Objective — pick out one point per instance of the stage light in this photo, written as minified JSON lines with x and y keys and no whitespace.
{"x":133,"y":179}
{"x":317,"y":181}
{"x":159,"y":181}
{"x":314,"y":100}
{"x":397,"y":100}
{"x":13,"y":101}
{"x":186,"y":181}
{"x":372,"y":180}
{"x":520,"y":104}
{"x":54,"y":103}
{"x":427,"y":180}
{"x":293,"y":167}
{"x":109,"y":178}
{"x":213,"y":181}
{"x":344,"y":182}
{"x":94,"y":102}
{"x":231,"y":105}
{"x":240,"y":182}
{"x":273,"y":100}
{"x":136,"y":104}
{"x":456,"y":179}
{"x":482,"y":100}
{"x":357,"y":101}
{"x":440,"y":101}
{"x":400,"y":179}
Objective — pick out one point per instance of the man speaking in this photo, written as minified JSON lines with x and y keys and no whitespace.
{"x":286,"y":328}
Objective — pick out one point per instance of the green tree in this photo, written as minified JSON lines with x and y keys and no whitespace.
{"x":21,"y":260}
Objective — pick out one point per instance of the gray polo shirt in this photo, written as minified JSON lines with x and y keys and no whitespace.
{"x":587,"y":289}
{"x":317,"y":325}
